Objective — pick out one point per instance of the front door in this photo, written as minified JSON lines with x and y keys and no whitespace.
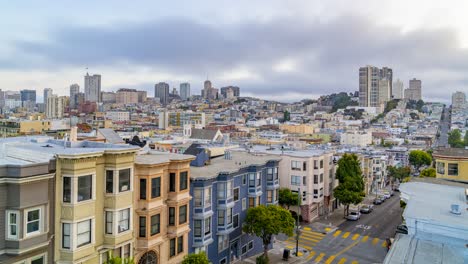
{"x":234,"y":251}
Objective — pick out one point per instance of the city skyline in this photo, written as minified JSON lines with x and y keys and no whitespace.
{"x":302,"y":51}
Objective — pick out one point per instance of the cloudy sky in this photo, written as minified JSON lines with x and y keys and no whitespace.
{"x":281,"y":50}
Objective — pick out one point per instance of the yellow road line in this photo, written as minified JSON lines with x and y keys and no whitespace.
{"x":301,"y":244}
{"x":311,"y":255}
{"x":365,"y":238}
{"x":337,"y":233}
{"x":384,"y":244}
{"x":346,"y":235}
{"x":346,"y":248}
{"x":307,"y":228}
{"x":354,"y":262}
{"x":375,"y":241}
{"x":356,"y":236}
{"x":310,"y":238}
{"x":342,"y":261}
{"x":330,"y":259}
{"x":312,"y":233}
{"x":320,"y":257}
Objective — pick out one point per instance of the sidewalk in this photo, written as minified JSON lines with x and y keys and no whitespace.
{"x":275,"y":255}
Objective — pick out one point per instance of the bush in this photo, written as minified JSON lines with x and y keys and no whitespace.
{"x":402,"y":204}
{"x":262,"y":259}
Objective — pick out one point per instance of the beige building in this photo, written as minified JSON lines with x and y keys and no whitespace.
{"x":161,"y":220}
{"x":17,"y":127}
{"x":414,"y":90}
{"x":126,"y":96}
{"x":56,"y":106}
{"x":356,"y":138}
{"x":297,"y":128}
{"x":458,"y":99}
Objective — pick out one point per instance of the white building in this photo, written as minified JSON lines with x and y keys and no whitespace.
{"x":398,"y":90}
{"x":92,"y":86}
{"x":356,"y":138}
{"x":458,"y":99}
{"x":55,"y":106}
{"x":118,"y":116}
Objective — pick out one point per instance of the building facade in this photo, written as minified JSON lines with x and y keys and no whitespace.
{"x":126,"y":96}
{"x":74,"y":91}
{"x":55,"y":106}
{"x":161,"y":91}
{"x":414,"y":91}
{"x":458,"y":99}
{"x":235,"y":90}
{"x":398,"y":90}
{"x":452,"y":164}
{"x":371,"y":89}
{"x":356,"y":138}
{"x":184,"y":91}
{"x":119,"y":116}
{"x":179,"y":119}
{"x":92,"y":87}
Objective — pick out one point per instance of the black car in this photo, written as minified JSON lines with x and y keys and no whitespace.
{"x":402,"y":229}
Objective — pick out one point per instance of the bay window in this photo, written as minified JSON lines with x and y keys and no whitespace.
{"x":109,"y":181}
{"x":67,"y":189}
{"x":208,"y":226}
{"x":124,"y":220}
{"x":83,"y":232}
{"x":66,"y":235}
{"x":142,"y":225}
{"x":156,"y":187}
{"x":183,"y":181}
{"x":197,"y":228}
{"x":182,"y":214}
{"x":155,"y":224}
{"x":33,"y":221}
{"x":13,"y":224}
{"x":124,"y":180}
{"x":85,"y":188}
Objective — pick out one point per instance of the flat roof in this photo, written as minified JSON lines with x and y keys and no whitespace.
{"x":301,"y":153}
{"x":157,"y":157}
{"x":239,"y":160}
{"x":452,"y":152}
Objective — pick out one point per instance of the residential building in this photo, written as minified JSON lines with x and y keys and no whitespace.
{"x":18,"y":127}
{"x":398,"y":90}
{"x":55,"y":106}
{"x":458,"y":99}
{"x":162,"y":208}
{"x":92,"y":87}
{"x":356,"y":138}
{"x":235,"y":90}
{"x":109,"y":97}
{"x":222,"y":192}
{"x":179,"y":119}
{"x":414,"y":90}
{"x":119,"y":116}
{"x":161,"y":91}
{"x":74,"y":91}
{"x":452,"y":164}
{"x":297,"y":128}
{"x":184,"y":91}
{"x":142,"y":96}
{"x":48,"y":92}
{"x":371,"y":90}
{"x":126,"y":96}
{"x":374,"y":171}
{"x":384,"y":91}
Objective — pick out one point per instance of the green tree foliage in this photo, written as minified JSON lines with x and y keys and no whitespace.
{"x":454,"y":139}
{"x":266,"y":221}
{"x":196,"y":258}
{"x":351,"y":185}
{"x":286,"y":116}
{"x":391,"y":105}
{"x":419,"y":158}
{"x":398,"y":173}
{"x":417,"y":105}
{"x":117,"y":260}
{"x":428,"y":172}
{"x":414,"y":116}
{"x":287,"y":198}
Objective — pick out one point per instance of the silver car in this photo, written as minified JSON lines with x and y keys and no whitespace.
{"x":354,"y":215}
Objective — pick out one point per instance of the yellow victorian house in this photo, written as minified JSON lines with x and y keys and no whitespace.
{"x":452,"y":164}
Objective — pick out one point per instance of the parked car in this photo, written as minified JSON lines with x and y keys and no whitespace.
{"x":386,"y":194}
{"x":401,"y":229}
{"x":377,"y":200}
{"x":366,"y":208}
{"x":354,"y":215}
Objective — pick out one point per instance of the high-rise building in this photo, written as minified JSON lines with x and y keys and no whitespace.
{"x":55,"y":106}
{"x":458,"y":99}
{"x":74,"y":90}
{"x":47,"y":93}
{"x":92,"y":88}
{"x":126,"y":96}
{"x":161,"y":90}
{"x":184,"y":91}
{"x":235,"y":90}
{"x":28,"y":95}
{"x":109,"y":97}
{"x":397,"y":90}
{"x":387,"y":73}
{"x":373,"y":92}
{"x":384,"y":91}
{"x":142,"y":95}
{"x":414,"y":90}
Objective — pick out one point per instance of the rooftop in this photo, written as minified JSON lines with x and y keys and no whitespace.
{"x":239,"y":160}
{"x":452,"y":152}
{"x":157,"y":157}
{"x":301,"y":153}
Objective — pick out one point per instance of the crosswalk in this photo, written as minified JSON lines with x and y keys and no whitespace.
{"x":309,"y":239}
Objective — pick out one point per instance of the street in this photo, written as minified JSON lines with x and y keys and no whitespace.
{"x":355,"y":242}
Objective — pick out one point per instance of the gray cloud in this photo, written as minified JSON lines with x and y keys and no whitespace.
{"x":328,"y":54}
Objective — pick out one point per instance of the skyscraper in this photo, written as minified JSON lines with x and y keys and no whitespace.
{"x":414,"y":91}
{"x":397,"y":91}
{"x":161,"y":91}
{"x":28,"y":95}
{"x":375,"y":86}
{"x":184,"y":91}
{"x":47,"y":93}
{"x":235,"y":89}
{"x":74,"y":90}
{"x":458,"y":99}
{"x":55,"y":106}
{"x":92,"y":86}
{"x":209,"y":92}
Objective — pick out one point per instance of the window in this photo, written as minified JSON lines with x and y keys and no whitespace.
{"x":180,"y":244}
{"x":182,"y":214}
{"x":197,"y":225}
{"x":244,"y":179}
{"x":236,"y":194}
{"x":12,"y":225}
{"x":171,"y":216}
{"x":221,"y":217}
{"x":251,"y":179}
{"x":66,"y":189}
{"x":221,"y":190}
{"x":244,"y":204}
{"x":109,"y":181}
{"x":269,"y":196}
{"x":33,"y":221}
{"x":124,"y":180}
{"x":172,"y":180}
{"x":321,"y":192}
{"x":109,"y":222}
{"x":269,"y":174}
{"x":452,"y":169}
{"x":66,"y":232}
{"x":304,"y":166}
{"x":183,"y":178}
{"x":315,"y":193}
{"x":223,"y":242}
{"x":142,"y":189}
{"x":315,"y":179}
{"x":251,"y":202}
{"x":295,"y":180}
{"x":321,"y":177}
{"x":207,"y":196}
{"x":142,"y":231}
{"x":155,"y":224}
{"x":83,"y":236}
{"x":244,"y":249}
{"x":208,"y":226}
{"x":229,"y":189}
{"x":250,"y":245}
{"x":38,"y":260}
{"x":235,"y":221}
{"x":296,"y":165}
{"x":124,"y":220}
{"x":197,"y":197}
{"x":315,"y":165}
{"x":172,"y":247}
{"x":126,"y":250}
{"x":259,"y":178}
{"x":440,"y":167}
{"x":321,"y":164}
{"x":85,"y":188}
{"x":276,"y":173}
{"x":223,"y":261}
{"x":304,"y":180}
{"x":229,"y":215}
{"x":155,"y":187}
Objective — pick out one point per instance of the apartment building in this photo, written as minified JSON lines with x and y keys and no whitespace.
{"x":222,"y":192}
{"x":161,"y":220}
{"x":17,"y":127}
{"x":374,"y":171}
{"x":179,"y":119}
{"x":452,"y":164}
{"x":356,"y":138}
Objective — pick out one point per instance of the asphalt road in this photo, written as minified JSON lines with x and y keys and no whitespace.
{"x":381,"y":223}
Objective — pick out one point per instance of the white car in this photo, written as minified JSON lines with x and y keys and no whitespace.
{"x":354,"y":215}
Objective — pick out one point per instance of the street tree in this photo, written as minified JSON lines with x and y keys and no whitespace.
{"x":348,"y":165}
{"x":454,"y":139}
{"x":428,"y":172}
{"x":419,"y":158}
{"x":287,"y":198}
{"x":351,"y":185}
{"x":196,"y":258}
{"x":398,"y":172}
{"x":267,"y":221}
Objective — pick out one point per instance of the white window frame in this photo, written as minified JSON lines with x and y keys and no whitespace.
{"x":115,"y":182}
{"x":297,"y":180}
{"x":41,"y":221}
{"x":8,"y":224}
{"x":115,"y":221}
{"x":130,"y":180}
{"x":244,"y":204}
{"x":121,"y":213}
{"x":198,"y":201}
{"x":207,"y":195}
{"x":91,"y":230}
{"x":29,"y":260}
{"x":71,"y":235}
{"x":74,"y":189}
